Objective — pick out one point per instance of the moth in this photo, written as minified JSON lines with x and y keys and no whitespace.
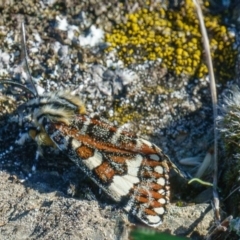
{"x":129,"y":169}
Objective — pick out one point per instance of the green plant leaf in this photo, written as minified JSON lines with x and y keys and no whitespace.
{"x":151,"y":234}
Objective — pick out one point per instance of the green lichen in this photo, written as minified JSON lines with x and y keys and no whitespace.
{"x":173,"y":35}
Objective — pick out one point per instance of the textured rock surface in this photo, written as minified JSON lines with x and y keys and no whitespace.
{"x":36,"y":210}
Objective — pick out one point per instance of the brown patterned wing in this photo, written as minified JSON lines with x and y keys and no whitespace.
{"x":131,"y":170}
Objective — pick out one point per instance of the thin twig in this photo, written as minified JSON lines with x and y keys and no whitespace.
{"x":222,"y":227}
{"x":24,"y":57}
{"x":214,"y":103}
{"x":238,"y":188}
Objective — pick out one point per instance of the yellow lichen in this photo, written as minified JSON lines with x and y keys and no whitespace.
{"x":174,"y":37}
{"x":125,"y":114}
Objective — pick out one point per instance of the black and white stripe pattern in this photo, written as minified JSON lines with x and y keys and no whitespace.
{"x":61,"y":106}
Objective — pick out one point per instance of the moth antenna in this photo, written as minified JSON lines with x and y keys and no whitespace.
{"x":20,"y":108}
{"x":24,"y":56}
{"x":10,"y":82}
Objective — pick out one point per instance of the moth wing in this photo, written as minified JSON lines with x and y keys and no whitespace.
{"x":133,"y":171}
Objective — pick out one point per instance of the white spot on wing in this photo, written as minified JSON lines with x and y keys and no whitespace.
{"x":159,"y":210}
{"x":121,"y":185}
{"x":162,"y":192}
{"x":134,"y":164}
{"x":154,"y":220}
{"x":161,"y":181}
{"x":154,"y":157}
{"x":159,"y":169}
{"x":162,"y":201}
{"x":116,"y":136}
{"x":75,"y":144}
{"x":94,"y":161}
